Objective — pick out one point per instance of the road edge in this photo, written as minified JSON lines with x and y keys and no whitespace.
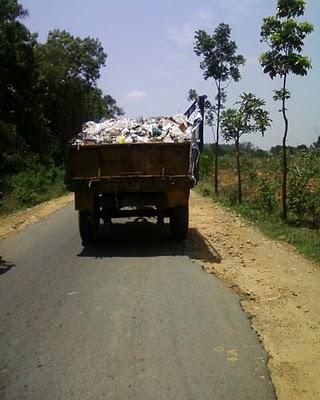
{"x":16,"y":222}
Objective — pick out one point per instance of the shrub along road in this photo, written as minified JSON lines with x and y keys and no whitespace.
{"x":131,"y":317}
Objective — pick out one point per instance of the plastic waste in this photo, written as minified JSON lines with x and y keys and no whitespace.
{"x":176,"y":129}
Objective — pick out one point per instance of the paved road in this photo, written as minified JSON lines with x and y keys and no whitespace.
{"x":130,"y":318}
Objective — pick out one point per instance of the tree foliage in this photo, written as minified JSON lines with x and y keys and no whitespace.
{"x":110,"y":107}
{"x":220,"y":63}
{"x":47,"y":90}
{"x":249,"y":117}
{"x":285,"y":36}
{"x":17,"y":62}
{"x":316,"y":144}
{"x":64,"y":56}
{"x":69,"y":69}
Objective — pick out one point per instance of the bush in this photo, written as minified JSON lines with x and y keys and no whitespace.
{"x":303,"y":200}
{"x":206,"y":164}
{"x":267,"y":193}
{"x":312,"y":213}
{"x":32,"y":186}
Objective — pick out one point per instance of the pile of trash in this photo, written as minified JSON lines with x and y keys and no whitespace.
{"x":122,"y":130}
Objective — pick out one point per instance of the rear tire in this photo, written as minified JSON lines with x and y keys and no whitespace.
{"x":179,"y":222}
{"x":88,"y":227}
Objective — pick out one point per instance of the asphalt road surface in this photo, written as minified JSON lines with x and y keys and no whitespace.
{"x":129,"y":318}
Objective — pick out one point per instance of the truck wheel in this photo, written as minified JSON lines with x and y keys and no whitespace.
{"x":87,"y":226}
{"x":179,"y":222}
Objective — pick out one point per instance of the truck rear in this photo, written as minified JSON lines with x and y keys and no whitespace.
{"x":134,"y":180}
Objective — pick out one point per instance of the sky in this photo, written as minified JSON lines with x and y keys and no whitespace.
{"x":151,"y":64}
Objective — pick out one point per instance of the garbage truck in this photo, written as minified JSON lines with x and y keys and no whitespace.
{"x":123,"y":180}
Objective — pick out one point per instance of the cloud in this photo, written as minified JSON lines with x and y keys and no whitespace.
{"x":207,"y":18}
{"x":161,"y":72}
{"x":183,"y":35}
{"x":136,"y":95}
{"x":204,"y":15}
{"x":236,"y":10}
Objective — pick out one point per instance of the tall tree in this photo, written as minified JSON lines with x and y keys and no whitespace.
{"x":285,"y":35}
{"x":17,"y":77}
{"x":16,"y":59}
{"x":219,"y":62}
{"x":250,"y":117}
{"x":70,"y":67}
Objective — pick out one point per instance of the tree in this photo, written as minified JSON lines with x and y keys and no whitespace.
{"x":285,"y":37}
{"x":18,"y":71}
{"x":220,"y":63}
{"x":316,"y":144}
{"x":68,"y":56}
{"x":70,"y":67}
{"x":16,"y":58}
{"x":192,"y":95}
{"x":46,"y":91}
{"x":111,"y":109}
{"x":302,"y":147}
{"x":250,"y":117}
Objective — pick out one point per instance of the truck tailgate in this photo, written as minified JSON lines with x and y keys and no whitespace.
{"x":99,"y":162}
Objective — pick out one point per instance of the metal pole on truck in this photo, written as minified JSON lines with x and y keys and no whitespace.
{"x":201,"y":101}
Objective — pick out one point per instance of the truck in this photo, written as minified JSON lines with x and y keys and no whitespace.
{"x":134,"y":180}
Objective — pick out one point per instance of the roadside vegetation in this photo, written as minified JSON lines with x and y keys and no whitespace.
{"x":279,"y":189}
{"x":261,"y":191}
{"x":47,"y":91}
{"x":32,"y":186}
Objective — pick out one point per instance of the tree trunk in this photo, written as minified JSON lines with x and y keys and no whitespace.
{"x":216,"y":147}
{"x":237,"y":146}
{"x":284,"y":151}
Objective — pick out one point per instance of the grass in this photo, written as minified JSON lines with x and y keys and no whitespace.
{"x":261,"y":182}
{"x":304,"y":239}
{"x":31,"y":187}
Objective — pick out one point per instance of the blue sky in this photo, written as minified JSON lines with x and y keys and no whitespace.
{"x":151,"y":64}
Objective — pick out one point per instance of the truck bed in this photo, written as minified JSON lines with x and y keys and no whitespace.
{"x":127,"y":163}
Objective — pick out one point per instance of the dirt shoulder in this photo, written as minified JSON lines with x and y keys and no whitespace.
{"x":279,"y":287}
{"x":18,"y":221}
